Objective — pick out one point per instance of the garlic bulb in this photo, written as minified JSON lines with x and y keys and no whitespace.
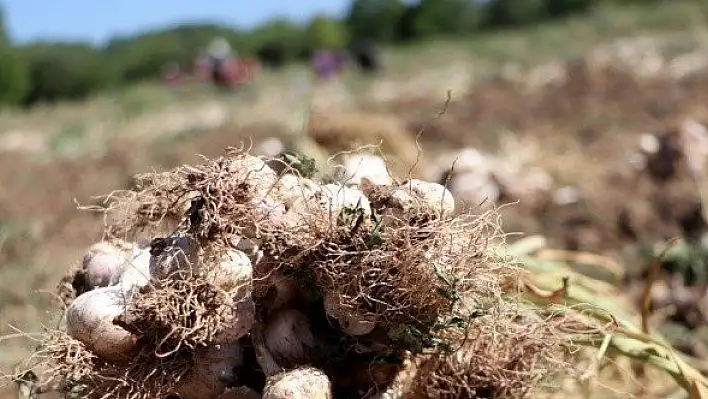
{"x":102,"y":264}
{"x":438,"y":198}
{"x":90,"y":320}
{"x":300,"y":383}
{"x":233,"y":274}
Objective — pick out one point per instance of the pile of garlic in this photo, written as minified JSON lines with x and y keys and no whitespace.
{"x":116,"y":271}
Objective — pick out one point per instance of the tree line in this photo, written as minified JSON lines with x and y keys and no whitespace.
{"x":46,"y":72}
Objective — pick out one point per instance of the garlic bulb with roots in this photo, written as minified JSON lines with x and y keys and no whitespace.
{"x":102,"y":263}
{"x":214,"y":370}
{"x":332,"y":204}
{"x":291,"y":187}
{"x":332,"y":200}
{"x":399,"y":206}
{"x":90,"y":319}
{"x":475,"y":188}
{"x":338,"y":197}
{"x":349,"y":322}
{"x":288,"y":337}
{"x":363,"y":166}
{"x":437,"y":198}
{"x":233,"y":274}
{"x":300,"y":383}
{"x":175,"y":259}
{"x":254,"y":172}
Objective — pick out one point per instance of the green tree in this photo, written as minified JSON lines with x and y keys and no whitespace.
{"x":442,"y":17}
{"x":327,"y":33}
{"x":375,"y":19}
{"x":558,"y":8}
{"x":14,"y":79}
{"x":278,"y":42}
{"x":142,"y":56}
{"x":4,"y":41}
{"x":66,"y":71}
{"x":499,"y":13}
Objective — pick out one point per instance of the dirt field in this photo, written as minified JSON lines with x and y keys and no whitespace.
{"x":584,"y":129}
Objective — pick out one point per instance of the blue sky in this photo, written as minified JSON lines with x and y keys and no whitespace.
{"x":96,"y":20}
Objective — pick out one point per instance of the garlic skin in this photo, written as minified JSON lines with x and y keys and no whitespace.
{"x":266,"y":210}
{"x":300,"y":383}
{"x":337,"y":197}
{"x":233,"y":271}
{"x":256,"y":174}
{"x":90,"y":320}
{"x":327,"y":204}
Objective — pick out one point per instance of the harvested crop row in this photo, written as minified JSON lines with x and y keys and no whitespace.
{"x":258,"y":283}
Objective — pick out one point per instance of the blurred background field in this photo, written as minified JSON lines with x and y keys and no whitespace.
{"x":590,"y":116}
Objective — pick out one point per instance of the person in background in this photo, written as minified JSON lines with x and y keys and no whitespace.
{"x":172,"y":74}
{"x":327,"y":64}
{"x":366,"y":55}
{"x":215,"y":63}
